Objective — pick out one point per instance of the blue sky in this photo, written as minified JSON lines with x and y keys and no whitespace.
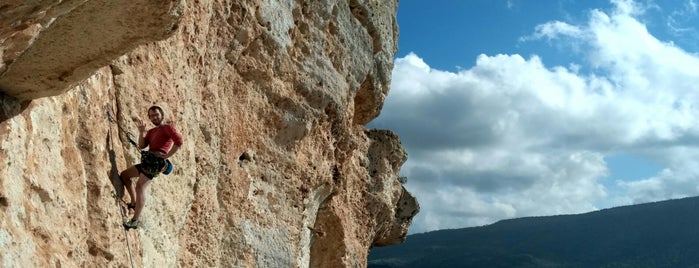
{"x":541,"y":107}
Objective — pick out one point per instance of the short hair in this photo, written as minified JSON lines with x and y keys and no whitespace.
{"x":155,"y":107}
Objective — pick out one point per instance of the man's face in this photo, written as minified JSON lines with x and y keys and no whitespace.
{"x":155,"y":117}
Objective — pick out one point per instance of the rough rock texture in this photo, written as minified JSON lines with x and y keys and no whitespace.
{"x":272,"y":97}
{"x":76,"y":38}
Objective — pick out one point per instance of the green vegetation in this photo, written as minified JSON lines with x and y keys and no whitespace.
{"x":660,"y":234}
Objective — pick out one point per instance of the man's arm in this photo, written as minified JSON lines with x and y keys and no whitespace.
{"x":142,"y":141}
{"x":142,"y":134}
{"x":173,"y":150}
{"x":177,"y":140}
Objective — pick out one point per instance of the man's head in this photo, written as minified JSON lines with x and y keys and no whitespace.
{"x":156,"y":115}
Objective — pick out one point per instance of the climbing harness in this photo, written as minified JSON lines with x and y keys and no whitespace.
{"x":153,"y":165}
{"x":117,"y":198}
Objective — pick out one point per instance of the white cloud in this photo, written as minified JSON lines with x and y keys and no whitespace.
{"x":626,"y":8}
{"x":511,"y":137}
{"x":677,"y":180}
{"x":691,"y":5}
{"x":553,"y":30}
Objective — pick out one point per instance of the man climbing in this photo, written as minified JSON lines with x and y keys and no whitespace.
{"x":162,"y":141}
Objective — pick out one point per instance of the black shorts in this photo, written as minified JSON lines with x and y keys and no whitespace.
{"x":151,"y":165}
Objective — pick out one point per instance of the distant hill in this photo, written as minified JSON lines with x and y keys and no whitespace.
{"x":659,"y":234}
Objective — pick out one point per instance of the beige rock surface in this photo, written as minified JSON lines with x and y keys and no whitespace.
{"x":272,"y":97}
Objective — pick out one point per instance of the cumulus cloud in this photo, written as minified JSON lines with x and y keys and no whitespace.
{"x":511,"y":137}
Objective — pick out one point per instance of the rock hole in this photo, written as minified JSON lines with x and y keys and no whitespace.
{"x":245,"y":157}
{"x":336,"y":175}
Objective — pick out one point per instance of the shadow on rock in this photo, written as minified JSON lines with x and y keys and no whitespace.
{"x":11,"y":106}
{"x":114,"y":171}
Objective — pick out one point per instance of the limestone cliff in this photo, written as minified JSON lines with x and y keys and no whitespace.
{"x":272,"y":97}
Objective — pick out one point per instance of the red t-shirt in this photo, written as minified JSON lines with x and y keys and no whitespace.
{"x":161,"y":138}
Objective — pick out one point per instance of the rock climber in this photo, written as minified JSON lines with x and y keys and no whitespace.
{"x":162,"y":141}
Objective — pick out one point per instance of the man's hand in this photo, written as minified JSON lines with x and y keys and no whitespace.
{"x":141,"y":126}
{"x":142,"y":130}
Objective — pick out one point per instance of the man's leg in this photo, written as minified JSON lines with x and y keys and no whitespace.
{"x":126,"y":176}
{"x":141,"y":186}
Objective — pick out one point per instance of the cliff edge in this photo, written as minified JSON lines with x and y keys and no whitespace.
{"x":271,"y":97}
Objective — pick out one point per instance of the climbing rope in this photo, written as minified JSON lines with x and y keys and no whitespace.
{"x":117,"y":198}
{"x":112,"y":120}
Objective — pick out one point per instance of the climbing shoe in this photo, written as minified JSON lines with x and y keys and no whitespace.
{"x":132,"y":224}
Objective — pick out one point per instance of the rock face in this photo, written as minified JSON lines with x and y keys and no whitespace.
{"x":272,"y":98}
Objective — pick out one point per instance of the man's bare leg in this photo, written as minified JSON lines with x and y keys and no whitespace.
{"x":126,"y":177}
{"x":141,"y":186}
